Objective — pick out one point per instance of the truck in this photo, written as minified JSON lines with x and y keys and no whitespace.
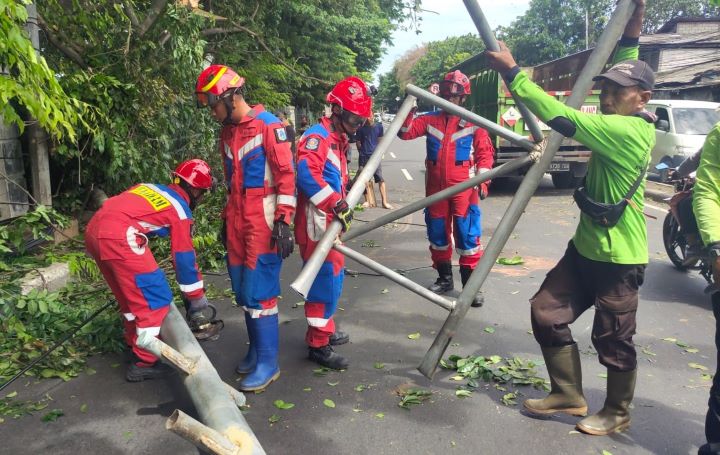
{"x":491,"y":99}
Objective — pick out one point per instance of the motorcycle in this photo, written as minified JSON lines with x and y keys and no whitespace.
{"x":674,"y":237}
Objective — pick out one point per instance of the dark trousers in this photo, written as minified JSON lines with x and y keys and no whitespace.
{"x":687,"y":217}
{"x":712,"y":420}
{"x":577,"y":283}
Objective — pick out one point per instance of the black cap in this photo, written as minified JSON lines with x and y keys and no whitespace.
{"x":629,"y":73}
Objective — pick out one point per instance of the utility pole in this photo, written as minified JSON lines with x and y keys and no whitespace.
{"x":38,"y":139}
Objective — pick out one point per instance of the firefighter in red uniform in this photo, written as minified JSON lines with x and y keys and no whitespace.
{"x":117,"y":238}
{"x":456,"y":151}
{"x":322,"y":176}
{"x":260,"y":179}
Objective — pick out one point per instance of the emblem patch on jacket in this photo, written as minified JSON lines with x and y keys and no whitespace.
{"x":280,"y":134}
{"x":312,"y":144}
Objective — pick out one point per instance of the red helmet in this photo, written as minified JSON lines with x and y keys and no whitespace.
{"x":454,"y":84}
{"x":352,"y":95}
{"x":214,"y":81}
{"x":195,"y":172}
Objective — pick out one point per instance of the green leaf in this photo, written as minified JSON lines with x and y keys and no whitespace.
{"x":307,"y":389}
{"x":360,"y":387}
{"x":606,"y":452}
{"x":682,"y":344}
{"x":489,"y":329}
{"x":333,"y":384}
{"x":463,"y":393}
{"x":329,"y":403}
{"x":414,"y":336}
{"x":648,"y":351}
{"x":384,"y":291}
{"x":692,"y":350}
{"x":274,"y":418}
{"x":380,"y":415}
{"x":602,"y":375}
{"x":379,"y":365}
{"x":515,"y":260}
{"x":321,"y":371}
{"x":11,"y":394}
{"x":671,"y":340}
{"x":697,"y":366}
{"x":53,"y":415}
{"x":280,"y":404}
{"x":84,"y":408}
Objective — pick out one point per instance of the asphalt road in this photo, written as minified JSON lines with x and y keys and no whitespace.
{"x":669,"y":405}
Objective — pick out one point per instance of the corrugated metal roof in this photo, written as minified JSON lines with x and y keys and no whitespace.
{"x":670,"y":25}
{"x":685,"y":39}
{"x":696,"y":74}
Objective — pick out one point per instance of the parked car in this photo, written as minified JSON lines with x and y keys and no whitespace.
{"x":680,"y":131}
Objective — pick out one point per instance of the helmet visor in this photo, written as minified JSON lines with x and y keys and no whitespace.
{"x":353,"y":120}
{"x":449,"y":89}
{"x":206,"y":99}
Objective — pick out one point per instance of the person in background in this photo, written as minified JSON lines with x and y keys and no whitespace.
{"x":367,"y":138}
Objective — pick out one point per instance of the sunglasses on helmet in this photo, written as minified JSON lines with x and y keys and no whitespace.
{"x":450,"y":88}
{"x":353,"y":120}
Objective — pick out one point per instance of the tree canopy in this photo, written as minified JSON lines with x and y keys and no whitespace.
{"x":115,"y":86}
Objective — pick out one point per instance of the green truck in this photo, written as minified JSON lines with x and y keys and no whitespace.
{"x":491,"y":99}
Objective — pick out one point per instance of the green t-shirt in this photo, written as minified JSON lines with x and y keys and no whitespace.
{"x":621,"y":151}
{"x":706,"y":194}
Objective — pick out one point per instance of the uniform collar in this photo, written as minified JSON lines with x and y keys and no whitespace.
{"x":254,"y":112}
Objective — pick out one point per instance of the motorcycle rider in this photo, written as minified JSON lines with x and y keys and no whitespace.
{"x":322,"y":176}
{"x":683,"y":203}
{"x":117,"y":239}
{"x":456,"y":150}
{"x":260,"y":206}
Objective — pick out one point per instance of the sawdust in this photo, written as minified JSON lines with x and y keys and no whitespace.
{"x":531,"y":265}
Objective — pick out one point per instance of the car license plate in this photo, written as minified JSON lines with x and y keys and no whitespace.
{"x":559,"y":167}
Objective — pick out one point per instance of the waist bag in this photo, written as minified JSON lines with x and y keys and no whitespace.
{"x":606,"y":215}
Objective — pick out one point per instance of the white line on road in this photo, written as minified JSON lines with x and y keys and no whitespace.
{"x":654,"y":207}
{"x":407,"y":174}
{"x":393,"y":155}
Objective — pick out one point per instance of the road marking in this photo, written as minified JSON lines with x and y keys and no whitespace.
{"x":654,"y":207}
{"x":407,"y":174}
{"x":393,"y":155}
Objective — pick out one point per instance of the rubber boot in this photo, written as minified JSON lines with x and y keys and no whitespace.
{"x":328,"y":358}
{"x":615,"y":415}
{"x":479,"y":298}
{"x":266,"y":349}
{"x":139,"y":371}
{"x":338,"y":338}
{"x":566,"y":396}
{"x":247,"y":364}
{"x":444,"y":283}
{"x":709,"y":449}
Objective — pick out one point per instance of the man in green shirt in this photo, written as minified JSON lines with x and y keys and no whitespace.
{"x":706,"y":205}
{"x":604,"y":265}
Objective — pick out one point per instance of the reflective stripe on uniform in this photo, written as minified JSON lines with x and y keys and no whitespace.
{"x":464,"y":132}
{"x":287,"y":200}
{"x":439,"y":247}
{"x":321,"y":195}
{"x":129,"y":316}
{"x":435,"y":132}
{"x":469,"y":252}
{"x":153,"y":331}
{"x":250,"y":145}
{"x":317,"y":322}
{"x":254,"y":313}
{"x":175,"y":203}
{"x":191,"y":287}
{"x":333,"y":158}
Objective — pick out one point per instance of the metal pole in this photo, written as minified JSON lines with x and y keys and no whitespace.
{"x":584,"y":83}
{"x":488,"y":38}
{"x":396,"y":277}
{"x":307,"y":275}
{"x":470,"y":116}
{"x":506,"y":168}
{"x":215,"y":406}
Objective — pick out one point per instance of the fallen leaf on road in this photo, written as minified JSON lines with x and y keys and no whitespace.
{"x":280,"y":404}
{"x":697,"y":366}
{"x":671,"y":340}
{"x":463,"y":393}
{"x":489,"y":330}
{"x":602,"y":375}
{"x":329,"y":403}
{"x":384,"y":291}
{"x":380,"y":415}
{"x":648,"y":351}
{"x":515,"y":260}
{"x":414,"y":336}
{"x":379,"y":365}
{"x":274,"y":418}
{"x":692,"y":350}
{"x":333,"y":384}
{"x":682,"y":344}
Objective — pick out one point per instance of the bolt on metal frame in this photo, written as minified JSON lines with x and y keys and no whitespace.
{"x":540,"y":157}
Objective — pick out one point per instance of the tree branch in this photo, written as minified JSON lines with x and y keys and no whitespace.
{"x":130,"y":11}
{"x":237,"y":28}
{"x":69,"y":50}
{"x":156,"y":10}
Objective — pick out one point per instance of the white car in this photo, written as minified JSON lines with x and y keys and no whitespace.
{"x":680,"y":131}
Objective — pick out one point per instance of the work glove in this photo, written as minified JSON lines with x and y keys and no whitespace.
{"x":196,"y":305}
{"x":343,"y":213}
{"x":282,"y":237}
{"x":223,"y":234}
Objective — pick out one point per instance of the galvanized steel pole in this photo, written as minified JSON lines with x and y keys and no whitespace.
{"x":470,"y":116}
{"x":413,"y":207}
{"x":307,"y":275}
{"x":396,"y":277}
{"x":491,"y":43}
{"x":215,"y":405}
{"x":584,"y":83}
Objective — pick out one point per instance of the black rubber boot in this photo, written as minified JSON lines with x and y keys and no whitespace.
{"x":136,"y":373}
{"x":444,"y":283}
{"x":339,"y":337}
{"x":709,"y":449}
{"x":479,"y":298}
{"x":328,"y":358}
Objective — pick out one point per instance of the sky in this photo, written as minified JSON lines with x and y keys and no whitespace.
{"x":452,"y":20}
